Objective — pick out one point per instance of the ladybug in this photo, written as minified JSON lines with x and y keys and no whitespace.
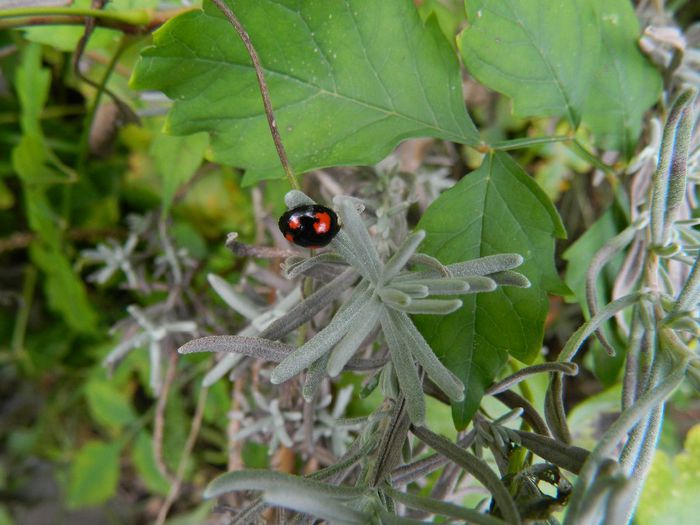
{"x":310,"y":225}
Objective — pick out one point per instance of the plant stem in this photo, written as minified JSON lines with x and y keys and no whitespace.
{"x":264,"y":91}
{"x":130,"y":16}
{"x":133,"y":25}
{"x":101,"y":88}
{"x":592,"y":159}
{"x":507,"y":145}
{"x":182,"y":465}
{"x":20,"y":328}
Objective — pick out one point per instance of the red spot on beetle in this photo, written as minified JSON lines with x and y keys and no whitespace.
{"x":289,"y":237}
{"x":294,"y":223}
{"x":323,"y":224}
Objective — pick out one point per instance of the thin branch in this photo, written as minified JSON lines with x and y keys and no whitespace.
{"x":264,"y":91}
{"x":189,"y":445}
{"x":570,"y":369}
{"x":159,"y":423}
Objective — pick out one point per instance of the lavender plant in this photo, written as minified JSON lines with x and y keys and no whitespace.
{"x":384,"y":296}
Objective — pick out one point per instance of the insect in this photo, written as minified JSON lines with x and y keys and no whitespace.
{"x":310,"y":225}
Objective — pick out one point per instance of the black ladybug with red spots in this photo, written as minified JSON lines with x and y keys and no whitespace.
{"x":311,"y":225}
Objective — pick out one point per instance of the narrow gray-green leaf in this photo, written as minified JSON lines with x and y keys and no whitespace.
{"x":239,"y":302}
{"x":441,"y":376}
{"x":310,"y":502}
{"x":509,"y":278}
{"x":540,"y":53}
{"x":313,"y":304}
{"x":348,"y":345}
{"x":361,"y":244}
{"x":399,"y":259}
{"x":355,"y":78}
{"x":431,"y":306}
{"x":406,"y":370}
{"x":323,"y":341}
{"x":439,"y":286}
{"x":272,"y":480}
{"x":416,"y":290}
{"x":236,"y":344}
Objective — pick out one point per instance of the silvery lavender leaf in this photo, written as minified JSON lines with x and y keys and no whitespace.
{"x":323,"y":341}
{"x":362,"y":326}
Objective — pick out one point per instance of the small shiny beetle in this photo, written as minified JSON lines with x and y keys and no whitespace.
{"x":310,"y":225}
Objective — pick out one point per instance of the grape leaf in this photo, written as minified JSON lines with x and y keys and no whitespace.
{"x":349,"y":79}
{"x":541,"y":54}
{"x":496,"y":209}
{"x":626,"y":83}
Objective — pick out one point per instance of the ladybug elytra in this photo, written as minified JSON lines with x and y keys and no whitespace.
{"x":310,"y":225}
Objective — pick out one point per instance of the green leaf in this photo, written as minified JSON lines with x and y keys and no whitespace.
{"x":145,"y":463}
{"x":65,"y":291}
{"x":349,"y":79}
{"x":108,"y":404}
{"x":93,"y":475}
{"x":177,"y":425}
{"x":177,"y":160}
{"x":580,"y":253}
{"x":626,"y":83}
{"x":495,"y":209}
{"x":541,"y":54}
{"x":5,"y":516}
{"x":671,"y":491}
{"x":449,"y":13}
{"x":592,"y":414}
{"x":32,"y":84}
{"x":28,"y":161}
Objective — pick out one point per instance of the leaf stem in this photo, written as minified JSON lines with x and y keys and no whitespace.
{"x":20,"y":327}
{"x":507,"y":145}
{"x":592,"y":159}
{"x":264,"y":91}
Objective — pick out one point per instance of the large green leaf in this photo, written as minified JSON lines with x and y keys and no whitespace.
{"x":626,"y":83}
{"x":93,"y":474}
{"x":495,"y":209}
{"x":349,"y":79}
{"x":540,"y":53}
